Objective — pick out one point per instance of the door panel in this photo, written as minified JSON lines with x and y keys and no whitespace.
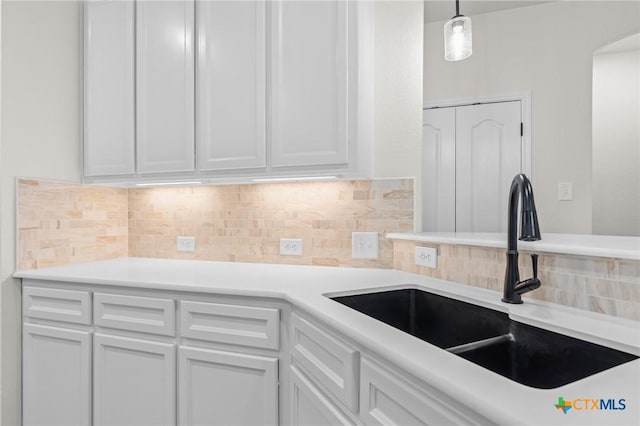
{"x":488,"y":156}
{"x":109,"y":145}
{"x":134,"y":382}
{"x":439,"y":170}
{"x":309,"y":79}
{"x":470,"y":155}
{"x":225,"y":388}
{"x":165,"y":86}
{"x":310,"y":407}
{"x":56,"y":376}
{"x":231,"y":85}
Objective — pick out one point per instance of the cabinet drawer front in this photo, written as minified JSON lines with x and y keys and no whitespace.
{"x":386,"y":399}
{"x":309,"y":406}
{"x":145,"y":314}
{"x":232,"y":324}
{"x":332,"y":363}
{"x":58,"y":305}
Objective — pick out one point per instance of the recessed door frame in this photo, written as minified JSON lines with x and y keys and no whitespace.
{"x":525,"y":106}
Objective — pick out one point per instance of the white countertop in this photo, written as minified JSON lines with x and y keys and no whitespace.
{"x":490,"y":394}
{"x":578,"y":244}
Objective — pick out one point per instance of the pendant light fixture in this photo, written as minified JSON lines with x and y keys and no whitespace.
{"x":457,"y":37}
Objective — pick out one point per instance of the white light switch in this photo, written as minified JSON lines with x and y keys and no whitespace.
{"x":565,"y":191}
{"x":186,"y":243}
{"x":364,"y":245}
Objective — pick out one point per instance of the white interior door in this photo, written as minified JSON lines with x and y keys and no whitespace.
{"x":439,"y":170}
{"x":470,"y":155}
{"x":488,"y":156}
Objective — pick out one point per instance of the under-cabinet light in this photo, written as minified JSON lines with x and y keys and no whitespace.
{"x":195,"y":182}
{"x":294,"y":179}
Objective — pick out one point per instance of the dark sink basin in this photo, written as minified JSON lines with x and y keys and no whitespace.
{"x":544,"y":359}
{"x":439,"y":320}
{"x":525,"y":354}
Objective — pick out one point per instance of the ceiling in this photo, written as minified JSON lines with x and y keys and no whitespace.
{"x":441,"y":10}
{"x":631,"y":42}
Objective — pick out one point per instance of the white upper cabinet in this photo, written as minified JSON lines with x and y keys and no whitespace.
{"x":309,"y":74}
{"x":230,"y":124}
{"x":109,"y":88}
{"x":227,"y":89}
{"x":165,"y":86}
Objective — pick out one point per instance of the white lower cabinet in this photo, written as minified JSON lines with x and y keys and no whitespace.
{"x":134,"y":381}
{"x":308,"y":406}
{"x":226,"y":388}
{"x":125,"y":360}
{"x":388,"y":399}
{"x":56,"y":377}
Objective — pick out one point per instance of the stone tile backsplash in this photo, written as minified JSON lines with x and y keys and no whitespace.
{"x":244,"y":223}
{"x":61,"y":223}
{"x":606,"y":285}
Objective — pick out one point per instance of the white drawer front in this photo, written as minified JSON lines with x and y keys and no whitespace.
{"x":232,"y":324}
{"x":332,"y":363}
{"x":387,"y":400}
{"x":58,"y":305}
{"x":145,"y":314}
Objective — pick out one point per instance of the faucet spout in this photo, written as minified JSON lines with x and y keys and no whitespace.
{"x":529,"y":231}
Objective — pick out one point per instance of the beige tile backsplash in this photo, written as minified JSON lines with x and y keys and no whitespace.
{"x":244,"y":223}
{"x":61,"y":223}
{"x":610,"y":286}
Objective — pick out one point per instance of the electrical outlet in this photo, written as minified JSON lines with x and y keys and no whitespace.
{"x":427,"y":256}
{"x":364,"y":245}
{"x":290,"y":246}
{"x":186,"y":243}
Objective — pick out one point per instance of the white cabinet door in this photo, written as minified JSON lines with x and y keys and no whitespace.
{"x":309,"y":407}
{"x":309,"y":74}
{"x":56,"y":376}
{"x":165,"y":86}
{"x":231,"y":85}
{"x":134,"y":382}
{"x":488,"y":156}
{"x":225,"y":388}
{"x":109,"y":140}
{"x":388,"y":400}
{"x":438,"y":170}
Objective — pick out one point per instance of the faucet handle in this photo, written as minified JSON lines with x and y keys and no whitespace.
{"x":534,"y":264}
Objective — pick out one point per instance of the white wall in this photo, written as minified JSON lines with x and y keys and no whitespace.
{"x":398,"y":90}
{"x":40,"y":137}
{"x":616,"y":143}
{"x":548,"y":50}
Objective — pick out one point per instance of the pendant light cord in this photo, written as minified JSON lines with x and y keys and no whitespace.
{"x":457,"y":7}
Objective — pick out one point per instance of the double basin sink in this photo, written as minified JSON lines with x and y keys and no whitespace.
{"x":525,"y":354}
